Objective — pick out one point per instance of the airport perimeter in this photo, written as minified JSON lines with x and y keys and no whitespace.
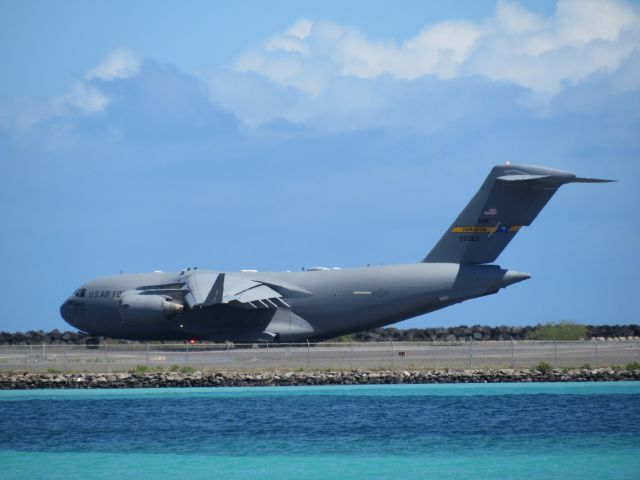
{"x":320,"y":356}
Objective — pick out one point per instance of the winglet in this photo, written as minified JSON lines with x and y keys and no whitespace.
{"x":215,"y":294}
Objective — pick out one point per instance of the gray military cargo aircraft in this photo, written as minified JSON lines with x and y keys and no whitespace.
{"x":320,"y":303}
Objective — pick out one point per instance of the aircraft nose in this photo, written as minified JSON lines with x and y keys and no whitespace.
{"x":65,"y":310}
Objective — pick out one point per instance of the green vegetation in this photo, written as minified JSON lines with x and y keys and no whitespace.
{"x":52,"y":370}
{"x":543,"y":367}
{"x":173,"y":368}
{"x":343,"y":338}
{"x":140,"y":369}
{"x":632,"y":366}
{"x":177,"y":368}
{"x":585,"y":366}
{"x":558,"y":331}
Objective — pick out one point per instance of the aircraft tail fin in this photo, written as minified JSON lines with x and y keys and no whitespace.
{"x":511,"y":197}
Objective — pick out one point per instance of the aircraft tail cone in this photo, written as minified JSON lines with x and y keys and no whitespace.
{"x":512,"y":276}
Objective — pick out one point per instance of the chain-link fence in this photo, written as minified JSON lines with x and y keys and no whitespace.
{"x":321,"y":356}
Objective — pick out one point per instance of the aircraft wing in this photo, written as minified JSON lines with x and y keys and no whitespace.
{"x":205,"y":289}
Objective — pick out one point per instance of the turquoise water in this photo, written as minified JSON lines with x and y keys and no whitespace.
{"x":532,"y":431}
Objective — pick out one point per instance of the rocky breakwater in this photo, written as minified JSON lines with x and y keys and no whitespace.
{"x":287,"y":378}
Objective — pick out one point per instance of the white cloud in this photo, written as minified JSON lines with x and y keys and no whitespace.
{"x":121,"y":63}
{"x":515,"y":45}
{"x":439,"y":50}
{"x":331,"y":77}
{"x":579,"y":22}
{"x":83,"y":98}
{"x":301,"y":29}
{"x":583,"y":38}
{"x":512,"y":18}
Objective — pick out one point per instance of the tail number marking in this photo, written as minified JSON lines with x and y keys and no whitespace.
{"x":469,"y":238}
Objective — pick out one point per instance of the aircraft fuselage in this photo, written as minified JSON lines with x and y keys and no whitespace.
{"x":247,"y":306}
{"x":316,"y":304}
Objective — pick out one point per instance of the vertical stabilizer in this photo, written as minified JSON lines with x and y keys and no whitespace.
{"x":510,"y":198}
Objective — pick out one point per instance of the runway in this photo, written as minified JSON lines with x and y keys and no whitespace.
{"x":322,"y":356}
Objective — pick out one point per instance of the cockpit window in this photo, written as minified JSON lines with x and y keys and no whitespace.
{"x":80,"y":292}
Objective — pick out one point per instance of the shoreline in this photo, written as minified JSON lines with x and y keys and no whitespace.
{"x":26,"y":381}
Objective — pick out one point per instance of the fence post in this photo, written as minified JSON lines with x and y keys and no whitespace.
{"x":393,"y":358}
{"x":25,"y":357}
{"x":308,"y":353}
{"x":44,"y":353}
{"x":187,"y":347}
{"x":470,"y":351}
{"x":147,"y":352}
{"x":66,"y":347}
{"x":513,"y":357}
{"x":555,"y":354}
{"x":596,"y":352}
{"x":435,"y":356}
{"x":638,"y":350}
{"x":351,"y":352}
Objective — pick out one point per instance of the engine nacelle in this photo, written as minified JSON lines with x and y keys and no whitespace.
{"x":148,"y":308}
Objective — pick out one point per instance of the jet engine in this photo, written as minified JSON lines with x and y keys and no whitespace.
{"x":148,"y":308}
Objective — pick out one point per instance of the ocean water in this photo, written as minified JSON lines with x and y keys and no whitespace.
{"x":518,"y":431}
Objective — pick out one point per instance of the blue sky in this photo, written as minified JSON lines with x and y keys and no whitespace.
{"x":137,"y":136}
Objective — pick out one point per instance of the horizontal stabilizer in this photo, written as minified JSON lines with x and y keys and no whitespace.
{"x":521,"y":178}
{"x":591,"y":180}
